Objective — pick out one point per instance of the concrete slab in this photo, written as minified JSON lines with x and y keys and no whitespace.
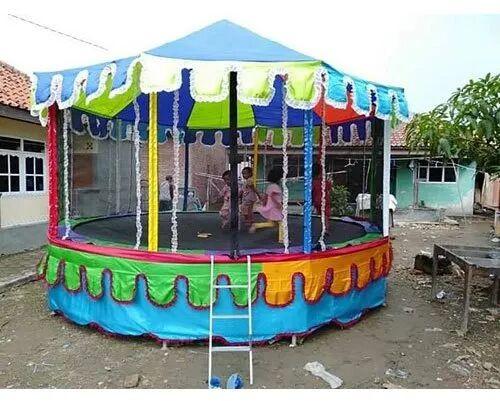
{"x":22,"y":238}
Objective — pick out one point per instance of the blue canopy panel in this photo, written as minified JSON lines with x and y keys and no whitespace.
{"x":91,"y":78}
{"x":225,"y":41}
{"x":365,"y":94}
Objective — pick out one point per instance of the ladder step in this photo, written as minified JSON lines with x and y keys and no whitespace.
{"x":229,"y":316}
{"x":232,"y":348}
{"x":230,"y":286}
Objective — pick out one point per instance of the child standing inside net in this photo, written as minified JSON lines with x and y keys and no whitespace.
{"x":248,"y":197}
{"x":272,"y":202}
{"x":225,"y":195}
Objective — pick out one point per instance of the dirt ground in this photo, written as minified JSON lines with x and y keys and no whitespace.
{"x":414,"y":337}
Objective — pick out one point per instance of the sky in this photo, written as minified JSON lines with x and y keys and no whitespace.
{"x":430,"y":48}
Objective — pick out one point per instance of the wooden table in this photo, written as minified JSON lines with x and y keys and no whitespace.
{"x":469,"y":259}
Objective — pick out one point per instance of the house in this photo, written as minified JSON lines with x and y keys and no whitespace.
{"x":23,"y":168}
{"x":416,"y":180}
{"x":420,"y":181}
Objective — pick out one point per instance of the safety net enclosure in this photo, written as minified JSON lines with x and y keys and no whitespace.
{"x":118,"y":260}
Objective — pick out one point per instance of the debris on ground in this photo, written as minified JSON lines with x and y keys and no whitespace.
{"x":398,"y":373}
{"x":423,"y":262}
{"x":473,"y":351}
{"x":461,"y":370}
{"x":450,"y":222}
{"x":441,"y":294}
{"x":317,"y":369}
{"x":131,"y":381}
{"x":408,"y":310}
{"x":391,"y":386}
{"x":433,"y":329}
{"x":215,"y":383}
{"x":234,"y":382}
{"x":492,"y":382}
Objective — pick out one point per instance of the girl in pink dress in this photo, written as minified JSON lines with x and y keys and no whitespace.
{"x":225,"y":194}
{"x":272,"y":201}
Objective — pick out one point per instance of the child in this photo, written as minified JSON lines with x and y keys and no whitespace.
{"x":316,"y":194}
{"x":225,"y":194}
{"x":272,"y":201}
{"x":248,"y":197}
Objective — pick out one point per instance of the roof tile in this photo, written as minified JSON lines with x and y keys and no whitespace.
{"x":14,"y":87}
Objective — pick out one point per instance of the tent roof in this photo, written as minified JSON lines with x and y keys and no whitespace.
{"x":203,"y":60}
{"x":226,"y":41}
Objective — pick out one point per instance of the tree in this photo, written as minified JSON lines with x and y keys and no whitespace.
{"x":467,"y":126}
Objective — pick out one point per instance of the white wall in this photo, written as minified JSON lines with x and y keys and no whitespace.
{"x":23,"y":208}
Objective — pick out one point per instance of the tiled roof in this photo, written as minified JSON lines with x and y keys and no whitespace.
{"x":14,"y":87}
{"x":398,"y":138}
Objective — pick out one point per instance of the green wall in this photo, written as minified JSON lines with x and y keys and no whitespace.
{"x":404,"y":185}
{"x":437,"y":195}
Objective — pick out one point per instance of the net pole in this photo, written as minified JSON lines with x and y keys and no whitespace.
{"x":67,"y":225}
{"x":138,"y":194}
{"x":308,"y":159}
{"x":322,"y":160}
{"x":284,"y":130}
{"x":118,"y":134}
{"x":233,"y":162}
{"x":153,"y":175}
{"x":186,"y":174}
{"x":176,"y":138}
{"x":255,"y":156}
{"x":53,"y":177}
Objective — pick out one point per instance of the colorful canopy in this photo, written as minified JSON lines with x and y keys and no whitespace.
{"x":198,"y":66}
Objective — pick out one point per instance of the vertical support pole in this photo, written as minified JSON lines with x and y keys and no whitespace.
{"x":186,"y":174}
{"x":386,"y":177}
{"x":137,"y":159}
{"x":255,"y":156}
{"x":53,"y":178}
{"x":233,"y":162}
{"x":118,"y":137}
{"x":284,"y":236}
{"x":66,"y":150}
{"x":153,"y":175}
{"x":308,"y":161}
{"x":435,"y":261}
{"x":375,"y":172}
{"x":469,"y":272}
{"x":176,"y":138}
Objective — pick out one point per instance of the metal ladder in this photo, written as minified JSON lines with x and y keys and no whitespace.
{"x":230,"y":348}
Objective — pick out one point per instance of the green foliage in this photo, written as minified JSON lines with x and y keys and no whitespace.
{"x":467,"y":126}
{"x":339,"y":200}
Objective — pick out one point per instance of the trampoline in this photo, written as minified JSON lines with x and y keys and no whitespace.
{"x":120,"y":230}
{"x":114,"y":261}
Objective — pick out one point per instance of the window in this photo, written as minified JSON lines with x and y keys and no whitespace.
{"x":10,"y":143}
{"x":436,"y":172}
{"x":32,"y":146}
{"x":22,"y":165}
{"x":9,"y":173}
{"x":295,"y":164}
{"x":34,"y":173}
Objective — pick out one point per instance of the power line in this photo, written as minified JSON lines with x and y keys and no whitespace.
{"x":57,"y":32}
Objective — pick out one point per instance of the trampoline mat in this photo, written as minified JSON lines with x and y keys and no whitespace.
{"x":122,"y":230}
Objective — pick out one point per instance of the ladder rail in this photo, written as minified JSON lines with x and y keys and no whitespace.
{"x":249,"y":301}
{"x":210,"y":328}
{"x":244,"y":348}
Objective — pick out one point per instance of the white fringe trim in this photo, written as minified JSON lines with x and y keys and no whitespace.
{"x":160,"y":74}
